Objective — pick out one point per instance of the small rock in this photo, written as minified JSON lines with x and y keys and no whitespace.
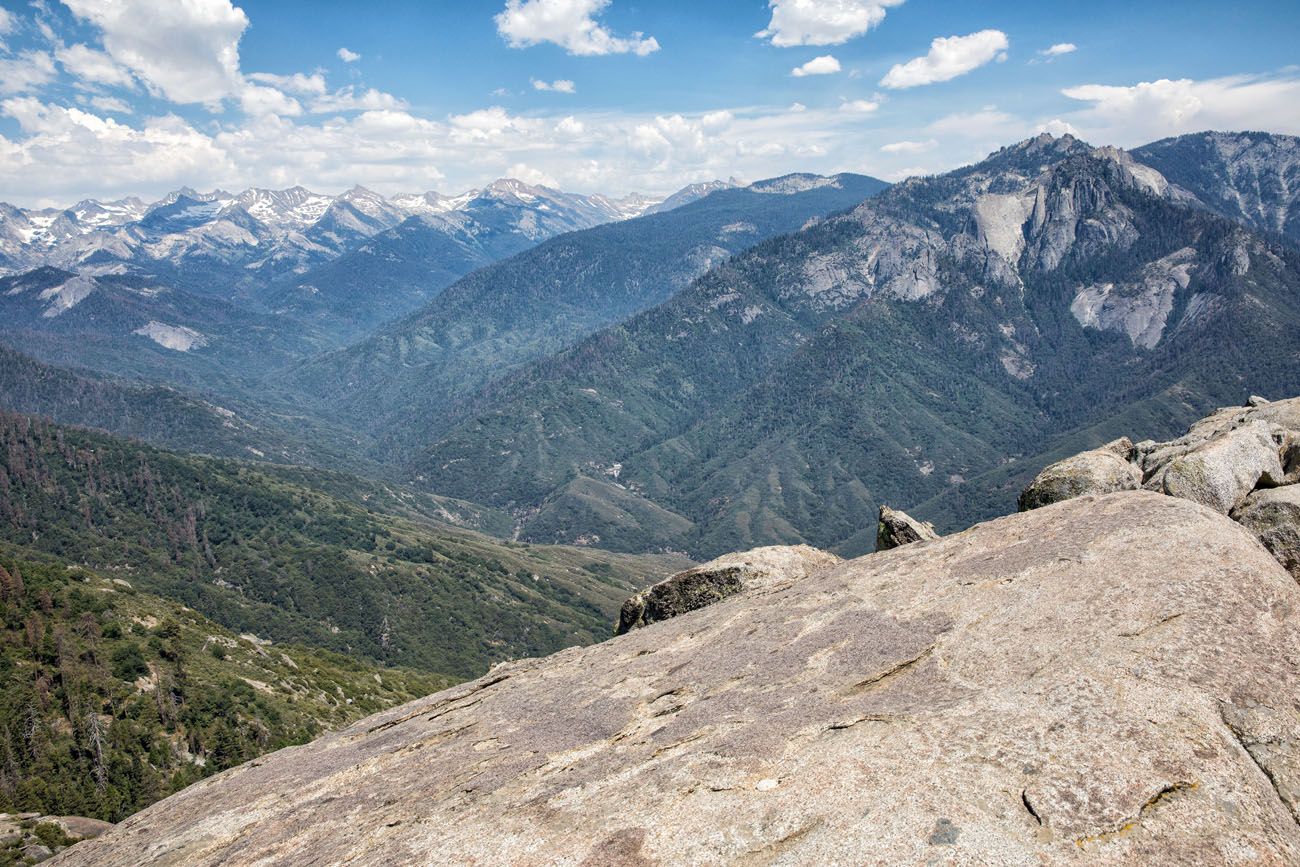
{"x":1103,"y":470}
{"x":716,"y":580}
{"x":899,"y":528}
{"x":1257,"y":401}
{"x":1273,"y":515}
{"x":36,"y":852}
{"x":1220,"y":473}
{"x":766,"y":785}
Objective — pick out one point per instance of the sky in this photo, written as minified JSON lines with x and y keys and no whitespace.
{"x":108,"y":98}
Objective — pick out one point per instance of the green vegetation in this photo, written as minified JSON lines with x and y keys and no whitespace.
{"x":115,"y":698}
{"x":260,"y":549}
{"x":748,"y":410}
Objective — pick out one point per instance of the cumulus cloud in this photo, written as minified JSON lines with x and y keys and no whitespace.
{"x":909,"y":147}
{"x":1134,"y":114}
{"x":94,"y":67}
{"x":949,"y":57}
{"x":824,"y":65}
{"x":570,"y":24}
{"x":25,"y":72}
{"x":350,"y":99}
{"x":256,"y":99}
{"x":1058,"y":49}
{"x":347,"y":56}
{"x":299,"y":83}
{"x":187,"y":52}
{"x":822,"y":22}
{"x":560,"y":85}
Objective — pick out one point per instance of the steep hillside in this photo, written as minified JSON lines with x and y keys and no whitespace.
{"x":1107,"y":680}
{"x":1253,"y":177}
{"x":138,"y":327}
{"x":402,"y":381}
{"x":115,"y":698}
{"x":304,"y":556}
{"x":897,"y":351}
{"x":160,"y":415}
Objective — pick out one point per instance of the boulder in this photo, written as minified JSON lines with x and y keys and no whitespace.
{"x":899,"y":528}
{"x":718,"y":579}
{"x":1273,"y":515}
{"x":79,"y":827}
{"x":1099,"y":471}
{"x":1111,"y":680}
{"x":1220,"y":472}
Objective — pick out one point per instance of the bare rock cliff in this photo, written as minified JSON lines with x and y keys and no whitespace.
{"x":1108,"y":679}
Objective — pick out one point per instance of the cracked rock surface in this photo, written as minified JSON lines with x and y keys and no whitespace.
{"x":1110,"y":679}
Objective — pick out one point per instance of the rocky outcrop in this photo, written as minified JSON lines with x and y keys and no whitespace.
{"x":1273,"y":515}
{"x":1107,"y":680}
{"x":30,"y":838}
{"x":1241,"y":461}
{"x":1099,"y":471}
{"x":899,"y":528}
{"x":716,"y":580}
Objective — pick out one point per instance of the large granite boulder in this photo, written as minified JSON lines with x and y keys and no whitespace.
{"x":899,"y":528}
{"x":1273,"y":515}
{"x":718,"y":579}
{"x":1098,"y":471}
{"x":1107,"y":680}
{"x":1221,"y":471}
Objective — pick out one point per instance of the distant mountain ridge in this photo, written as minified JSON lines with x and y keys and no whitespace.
{"x":407,"y":375}
{"x":933,"y":333}
{"x":270,"y":233}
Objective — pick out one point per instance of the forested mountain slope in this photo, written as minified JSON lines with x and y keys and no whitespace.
{"x":1252,"y":177}
{"x":115,"y":698}
{"x":304,"y":556}
{"x":891,"y":353}
{"x":401,"y":382}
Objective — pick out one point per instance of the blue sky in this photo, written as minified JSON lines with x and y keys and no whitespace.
{"x":112,"y":97}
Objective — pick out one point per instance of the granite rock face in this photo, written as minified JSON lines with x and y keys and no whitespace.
{"x":718,"y":579}
{"x":1098,"y":471}
{"x":899,"y":528}
{"x":1220,"y":472}
{"x":1241,"y":461}
{"x":1111,"y":679}
{"x":1273,"y":515}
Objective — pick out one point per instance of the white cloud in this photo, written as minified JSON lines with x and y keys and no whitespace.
{"x":822,"y":22}
{"x":348,"y":99}
{"x":187,"y":52}
{"x":859,"y":106}
{"x":1059,"y":48}
{"x":110,"y":104}
{"x":570,"y":24}
{"x":824,"y":65}
{"x":909,"y":147}
{"x":1057,"y":127}
{"x":8,"y":23}
{"x":798,"y":107}
{"x":1131,"y":115}
{"x":94,"y":67}
{"x":347,"y":56}
{"x":70,"y":152}
{"x":948,"y":58}
{"x":988,"y":124}
{"x":560,"y":85}
{"x":256,"y":99}
{"x":25,"y":72}
{"x":717,"y":120}
{"x":570,"y":127}
{"x":299,"y":83}
{"x":529,"y":175}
